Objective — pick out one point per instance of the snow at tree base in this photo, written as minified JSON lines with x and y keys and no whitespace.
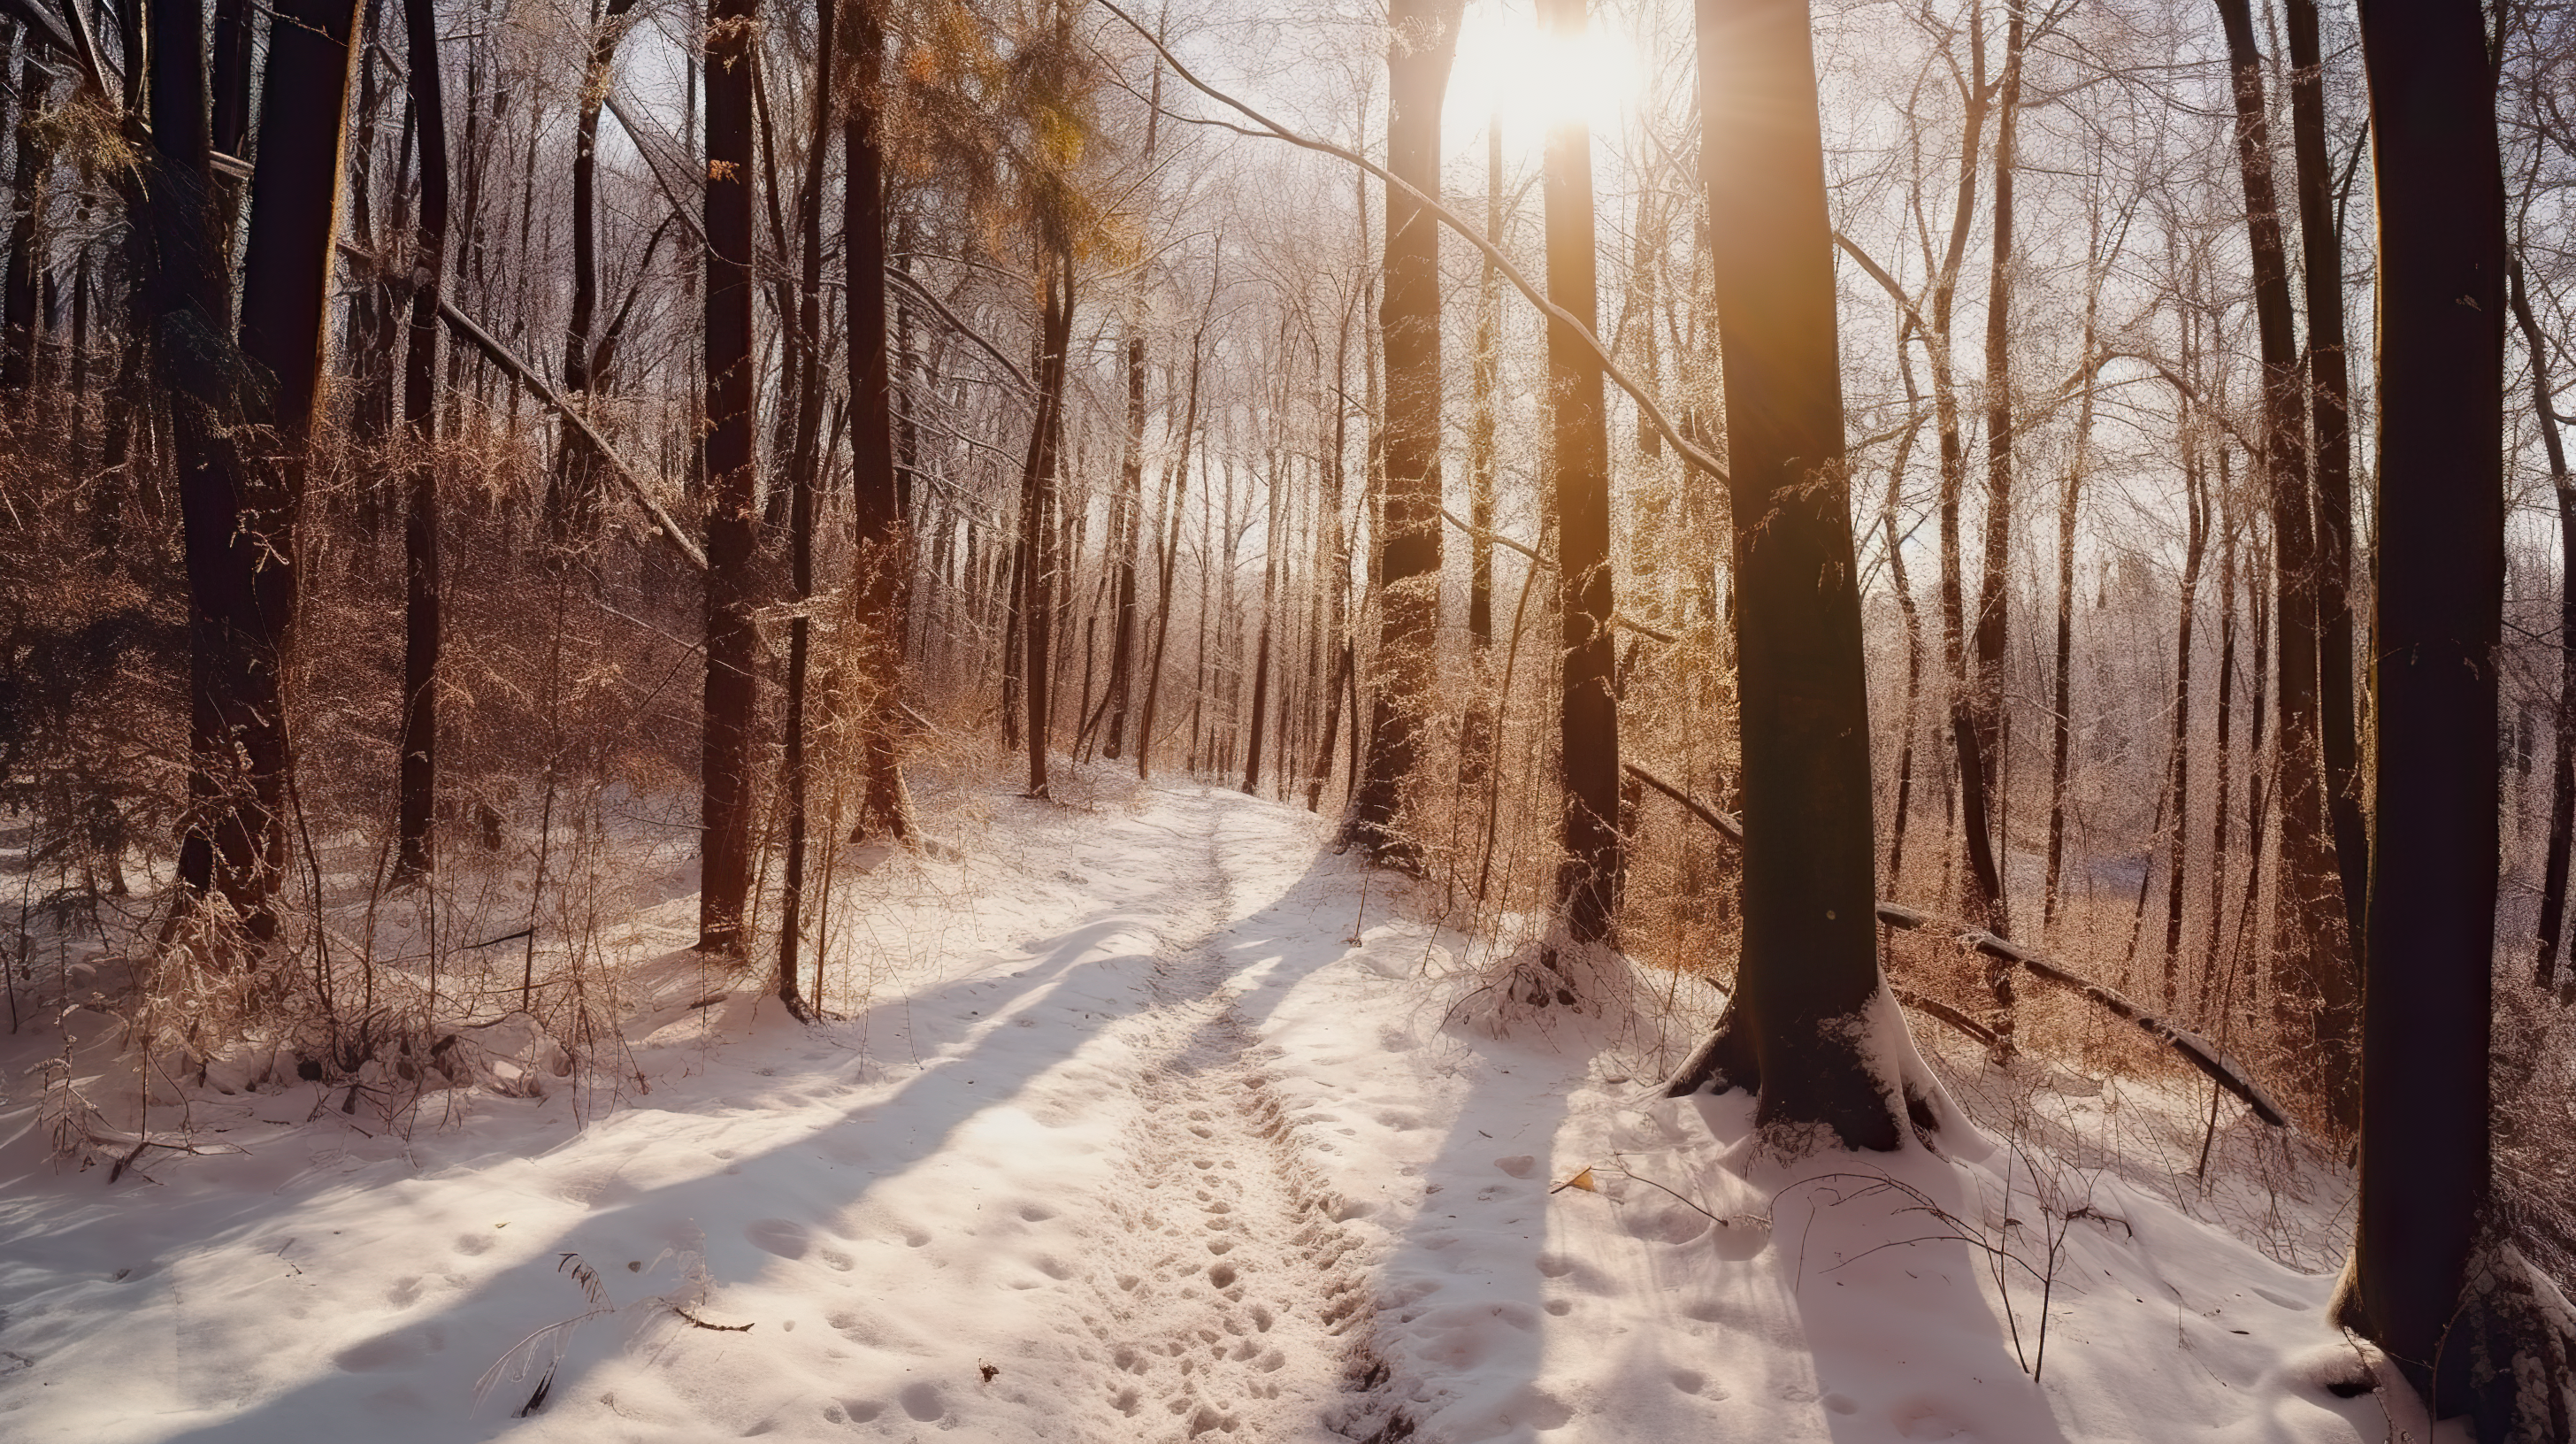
{"x":1156,"y":1120}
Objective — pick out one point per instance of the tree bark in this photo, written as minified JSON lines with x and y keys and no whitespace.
{"x":236,"y":432}
{"x":732,"y":470}
{"x":19,"y":269}
{"x":2317,"y":991}
{"x":1420,"y":51}
{"x":1037,"y":507}
{"x":1982,"y":775}
{"x":879,"y":514}
{"x":805,"y":461}
{"x":2330,"y":414}
{"x":1793,"y":1030}
{"x":2439,"y":583}
{"x":2061,"y":705}
{"x":1589,"y":875}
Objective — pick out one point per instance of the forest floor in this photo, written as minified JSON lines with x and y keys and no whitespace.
{"x":1154,"y":1120}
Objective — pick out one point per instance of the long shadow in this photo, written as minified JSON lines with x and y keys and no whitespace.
{"x":912,"y":1124}
{"x":1462,"y":1294}
{"x":1896,"y":1316}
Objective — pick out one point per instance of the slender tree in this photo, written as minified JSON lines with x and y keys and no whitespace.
{"x":2317,"y":991}
{"x":421,"y":622}
{"x":1422,"y":43}
{"x":884,"y":559}
{"x":1587,"y":887}
{"x":571,"y":495}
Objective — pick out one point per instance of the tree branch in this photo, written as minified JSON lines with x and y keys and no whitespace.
{"x":520,"y":371}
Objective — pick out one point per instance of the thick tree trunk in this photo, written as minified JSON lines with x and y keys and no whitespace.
{"x":2317,"y":990}
{"x":1587,"y":884}
{"x":1794,"y":1028}
{"x":732,"y":469}
{"x":419,"y":766}
{"x":2439,"y":584}
{"x":1419,"y":53}
{"x":238,"y":435}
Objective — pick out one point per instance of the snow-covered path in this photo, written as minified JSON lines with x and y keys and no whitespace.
{"x":1152,"y":1127}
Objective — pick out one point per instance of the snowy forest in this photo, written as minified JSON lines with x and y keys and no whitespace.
{"x":1768,"y":719}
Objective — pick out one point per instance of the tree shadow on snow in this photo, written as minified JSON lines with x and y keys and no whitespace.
{"x":414,"y":1380}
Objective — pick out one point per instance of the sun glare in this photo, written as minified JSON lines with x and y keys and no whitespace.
{"x":1506,"y":66}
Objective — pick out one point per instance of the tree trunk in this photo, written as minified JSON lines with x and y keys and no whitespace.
{"x":2562,"y":752}
{"x":238,"y":442}
{"x":572,"y":497}
{"x":1476,"y":733}
{"x":2439,"y":582}
{"x":1038,"y":485}
{"x":1274,"y":548}
{"x":419,"y":766}
{"x":1982,"y":776}
{"x":1588,"y":879}
{"x":1794,"y":1029}
{"x":1125,"y":533}
{"x":1172,"y":544}
{"x":2317,"y":990}
{"x":732,"y":469}
{"x":2329,"y":390}
{"x":1902,"y":585}
{"x":804,"y":462}
{"x":2061,"y":705}
{"x":2178,"y":754}
{"x":18,"y":271}
{"x":877,"y":438}
{"x":1419,"y":53}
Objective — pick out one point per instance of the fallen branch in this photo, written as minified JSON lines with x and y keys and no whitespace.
{"x":2199,"y":1051}
{"x":718,"y":1328}
{"x":520,"y":371}
{"x":1935,"y":1008}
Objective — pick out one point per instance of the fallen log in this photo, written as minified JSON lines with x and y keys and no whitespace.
{"x":2200,"y":1052}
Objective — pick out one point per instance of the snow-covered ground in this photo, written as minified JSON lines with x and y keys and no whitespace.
{"x":1155,"y":1124}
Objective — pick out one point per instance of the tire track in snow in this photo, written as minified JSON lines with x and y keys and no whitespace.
{"x":1230,"y":1306}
